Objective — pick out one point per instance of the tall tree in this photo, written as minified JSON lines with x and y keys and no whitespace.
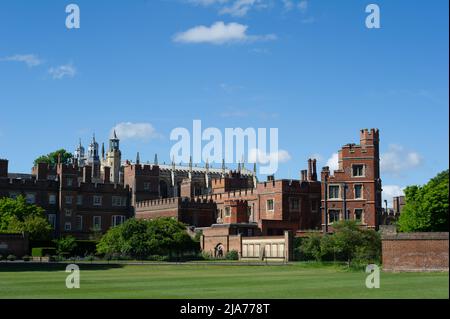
{"x":52,"y":158}
{"x":426,"y":207}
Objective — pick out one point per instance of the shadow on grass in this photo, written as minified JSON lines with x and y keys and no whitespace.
{"x":24,"y":267}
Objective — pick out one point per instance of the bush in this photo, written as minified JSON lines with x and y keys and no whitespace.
{"x":26,"y":258}
{"x":43,"y":251}
{"x":232,"y":255}
{"x":158,"y":258}
{"x":1,"y":257}
{"x":11,"y":258}
{"x":66,"y":245}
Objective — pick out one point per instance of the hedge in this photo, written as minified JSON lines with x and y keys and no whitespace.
{"x":43,"y":251}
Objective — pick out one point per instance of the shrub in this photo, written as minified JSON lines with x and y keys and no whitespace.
{"x":66,"y":245}
{"x":85,"y":247}
{"x":11,"y":258}
{"x":232,"y":255}
{"x":206,"y":255}
{"x":26,"y":258}
{"x":1,"y":257}
{"x":43,"y":251}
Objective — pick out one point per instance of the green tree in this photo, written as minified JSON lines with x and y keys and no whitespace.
{"x":52,"y":158}
{"x":18,"y":216}
{"x":37,"y":227}
{"x":310,"y":248}
{"x":426,"y":207}
{"x":65,"y":245}
{"x":142,"y":238}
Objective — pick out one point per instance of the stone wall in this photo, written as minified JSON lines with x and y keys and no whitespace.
{"x":415,"y":251}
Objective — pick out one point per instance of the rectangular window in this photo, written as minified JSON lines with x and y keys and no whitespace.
{"x":358,"y":191}
{"x":270,"y":205}
{"x":52,"y":220}
{"x":97,"y":223}
{"x":333,"y":216}
{"x":227,"y":211}
{"x":30,"y":198}
{"x":358,"y":214}
{"x":69,"y":200}
{"x":147,"y":186}
{"x":79,"y":223}
{"x":118,"y":201}
{"x":333,"y":192}
{"x":117,"y":220}
{"x":68,"y":226}
{"x":14,"y":195}
{"x":52,"y":199}
{"x":97,"y":200}
{"x":358,"y":170}
{"x":69,"y":182}
{"x":68,"y":212}
{"x":80,"y":200}
{"x":294,"y":203}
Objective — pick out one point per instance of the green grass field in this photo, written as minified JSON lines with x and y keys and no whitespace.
{"x":215,"y":281}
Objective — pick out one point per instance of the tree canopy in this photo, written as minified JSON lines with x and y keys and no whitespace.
{"x":52,"y":158}
{"x":139,"y":238}
{"x":18,"y":216}
{"x":426,"y":207}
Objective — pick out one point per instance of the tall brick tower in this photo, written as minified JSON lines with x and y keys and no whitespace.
{"x":354,"y":190}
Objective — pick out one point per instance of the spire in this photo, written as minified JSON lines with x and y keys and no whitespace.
{"x":243,"y":162}
{"x":156,"y":160}
{"x":115,"y":135}
{"x":207,"y":164}
{"x":103,"y":150}
{"x":190,"y":163}
{"x":254,"y":168}
{"x":173,"y":162}
{"x":239,"y":167}
{"x":138,"y":159}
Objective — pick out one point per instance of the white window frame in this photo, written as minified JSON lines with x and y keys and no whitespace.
{"x":52,"y":220}
{"x":114,"y":221}
{"x":338,"y":216}
{"x":339,"y":191}
{"x":362,"y":191}
{"x":363,"y":170}
{"x":79,"y":200}
{"x":94,"y":218}
{"x":69,"y":182}
{"x":273,"y":205}
{"x":28,"y":196}
{"x":68,"y":228}
{"x":97,"y":202}
{"x":362,"y":214}
{"x":52,"y":199}
{"x":68,"y":212}
{"x":292,"y":200}
{"x":227,"y":211}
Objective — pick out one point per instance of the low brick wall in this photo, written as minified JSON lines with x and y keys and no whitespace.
{"x":415,"y":251}
{"x":15,"y":244}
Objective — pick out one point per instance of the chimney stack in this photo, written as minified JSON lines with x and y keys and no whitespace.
{"x":310,"y":169}
{"x":3,"y":168}
{"x":314,"y":170}
{"x":304,"y":175}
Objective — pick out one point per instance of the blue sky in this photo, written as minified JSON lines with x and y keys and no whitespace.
{"x":310,"y":68}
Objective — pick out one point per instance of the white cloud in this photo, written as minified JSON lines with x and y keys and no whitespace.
{"x":333,"y":162}
{"x":62,"y":71}
{"x":128,"y":130}
{"x":292,"y":4}
{"x":316,"y":156}
{"x":258,"y":156}
{"x":398,"y":159}
{"x":239,"y":8}
{"x":220,"y":33}
{"x":390,"y":191}
{"x":30,"y":60}
{"x":207,"y":2}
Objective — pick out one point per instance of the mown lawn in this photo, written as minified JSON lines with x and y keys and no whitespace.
{"x":214,"y":281}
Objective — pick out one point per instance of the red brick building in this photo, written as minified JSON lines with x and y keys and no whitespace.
{"x":73,"y":203}
{"x":354,"y":190}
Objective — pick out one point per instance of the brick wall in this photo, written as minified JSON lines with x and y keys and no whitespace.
{"x":16,"y":244}
{"x":415,"y":252}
